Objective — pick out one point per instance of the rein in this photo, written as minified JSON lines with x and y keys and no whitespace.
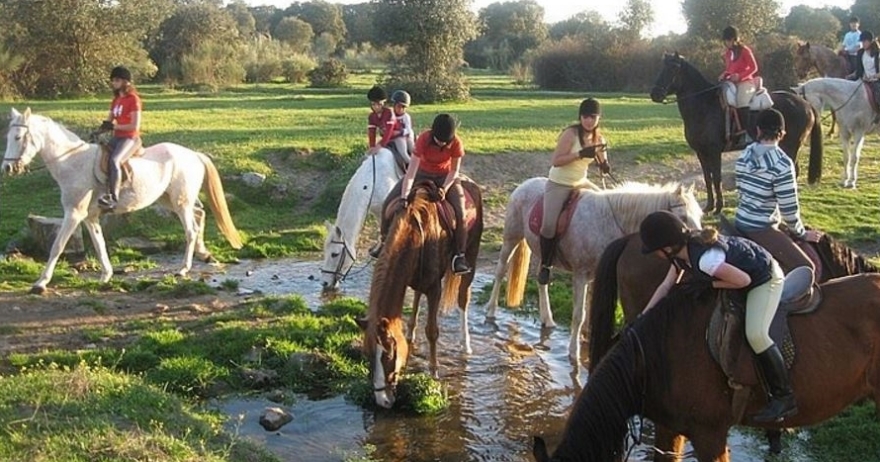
{"x":803,"y":94}
{"x":31,"y":141}
{"x":667,"y":100}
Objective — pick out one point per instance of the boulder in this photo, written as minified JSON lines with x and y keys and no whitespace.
{"x":144,"y":246}
{"x":274,"y":418}
{"x":253,"y":179}
{"x":43,"y":230}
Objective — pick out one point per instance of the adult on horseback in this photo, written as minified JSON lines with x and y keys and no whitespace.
{"x":436,"y":159}
{"x":578,"y":145}
{"x":868,"y":67}
{"x":124,"y":120}
{"x":733,"y":263}
{"x":738,"y":78}
{"x":767,"y":189}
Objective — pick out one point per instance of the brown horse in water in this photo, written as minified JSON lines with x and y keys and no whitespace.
{"x":661,"y":369}
{"x":637,"y":275}
{"x":417,"y":254}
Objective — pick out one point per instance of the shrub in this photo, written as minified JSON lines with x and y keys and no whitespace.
{"x":429,"y":88}
{"x":213,"y":65}
{"x":330,"y":74}
{"x":263,"y":60}
{"x":296,"y":67}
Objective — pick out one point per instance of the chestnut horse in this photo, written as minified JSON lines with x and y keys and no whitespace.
{"x":825,"y":61}
{"x":661,"y":369}
{"x":417,"y":254}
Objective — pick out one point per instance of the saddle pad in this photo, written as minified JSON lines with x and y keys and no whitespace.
{"x":104,"y":163}
{"x":536,"y":216}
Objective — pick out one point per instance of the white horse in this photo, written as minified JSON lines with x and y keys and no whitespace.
{"x":601,"y":217}
{"x":365,"y":193}
{"x":168,"y":174}
{"x":848,"y":100}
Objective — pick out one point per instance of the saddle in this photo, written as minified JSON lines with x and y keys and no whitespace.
{"x":401,"y":160}
{"x":760,"y":100}
{"x":444,"y":208}
{"x":872,"y":90}
{"x":103,"y":165}
{"x":726,"y":332}
{"x":536,"y":216}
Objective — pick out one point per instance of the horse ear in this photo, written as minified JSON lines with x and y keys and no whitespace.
{"x":361,"y":322}
{"x":14,"y":114}
{"x":539,"y":450}
{"x":27,"y":113}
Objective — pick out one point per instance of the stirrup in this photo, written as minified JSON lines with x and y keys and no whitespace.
{"x":455,"y":265}
{"x":376,"y":251}
{"x":106,"y":202}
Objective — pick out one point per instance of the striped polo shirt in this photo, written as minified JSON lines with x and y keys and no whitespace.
{"x":767,"y":189}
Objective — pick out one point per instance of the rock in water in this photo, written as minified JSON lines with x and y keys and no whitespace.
{"x":43,"y":231}
{"x":274,"y":418}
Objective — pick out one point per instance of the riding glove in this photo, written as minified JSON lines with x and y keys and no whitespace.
{"x":106,"y":126}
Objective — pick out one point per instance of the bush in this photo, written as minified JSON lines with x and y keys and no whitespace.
{"x":212,"y":65}
{"x":330,"y":74}
{"x":263,"y":60}
{"x":296,"y":68}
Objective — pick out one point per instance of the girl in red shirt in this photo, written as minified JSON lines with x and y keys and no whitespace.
{"x":437,"y":158}
{"x":125,"y":122}
{"x":740,"y":68}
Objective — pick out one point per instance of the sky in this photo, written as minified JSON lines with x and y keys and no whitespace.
{"x":667,"y":13}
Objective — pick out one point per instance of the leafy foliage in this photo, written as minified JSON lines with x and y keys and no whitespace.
{"x":324,"y":17}
{"x":707,"y":18}
{"x":636,"y":17}
{"x":510,"y":29}
{"x":816,"y":25}
{"x":329,"y":74}
{"x":295,"y":32}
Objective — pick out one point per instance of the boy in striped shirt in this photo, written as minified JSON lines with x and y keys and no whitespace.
{"x":768,"y":191}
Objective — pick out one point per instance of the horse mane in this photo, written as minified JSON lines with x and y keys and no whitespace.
{"x":694,"y":75}
{"x":632,"y":201}
{"x":633,"y":369}
{"x":841,"y":259}
{"x":71,"y":136}
{"x":413,"y":231}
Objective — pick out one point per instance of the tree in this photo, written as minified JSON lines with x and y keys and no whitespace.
{"x":322,"y":16}
{"x":585,"y":23}
{"x":434,"y":33}
{"x":200,"y":29}
{"x":637,"y":16}
{"x":358,"y":19}
{"x":816,"y":25}
{"x":295,"y":32}
{"x":243,"y":18}
{"x":266,"y":18}
{"x":707,"y":18}
{"x":868,"y":13}
{"x":510,"y":29}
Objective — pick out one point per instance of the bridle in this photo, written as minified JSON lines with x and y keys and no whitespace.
{"x":23,"y":142}
{"x":338,"y":272}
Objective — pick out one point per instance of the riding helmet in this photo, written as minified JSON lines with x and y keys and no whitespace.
{"x":443,"y":128}
{"x":376,"y":94}
{"x":866,"y":35}
{"x":771,"y":121}
{"x":400,"y":97}
{"x":590,"y":107}
{"x":662,"y":229}
{"x":730,"y":33}
{"x":120,"y":72}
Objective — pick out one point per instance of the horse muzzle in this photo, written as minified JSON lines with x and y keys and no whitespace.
{"x":13,"y":168}
{"x":658,"y":95}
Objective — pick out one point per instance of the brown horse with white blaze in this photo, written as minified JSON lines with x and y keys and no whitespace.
{"x":417,"y":254}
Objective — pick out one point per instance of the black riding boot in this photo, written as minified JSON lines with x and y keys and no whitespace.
{"x":745,"y":116}
{"x":459,"y":262}
{"x":548,"y":251}
{"x":782,"y":403}
{"x":109,"y":199}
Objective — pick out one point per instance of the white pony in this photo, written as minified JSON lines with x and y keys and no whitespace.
{"x":601,"y":217}
{"x":365,"y":193}
{"x":848,"y":100}
{"x":167,"y":173}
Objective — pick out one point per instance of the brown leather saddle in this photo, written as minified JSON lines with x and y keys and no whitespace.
{"x":444,"y":208}
{"x":536,"y":216}
{"x":726,"y":332}
{"x":104,"y":161}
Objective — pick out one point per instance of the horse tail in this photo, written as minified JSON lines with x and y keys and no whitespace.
{"x":449,"y":296}
{"x":217,"y":201}
{"x":816,"y":150}
{"x":516,"y":273}
{"x":603,"y":301}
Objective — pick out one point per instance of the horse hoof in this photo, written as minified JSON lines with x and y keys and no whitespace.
{"x":38,"y":290}
{"x":548,"y":325}
{"x":209,"y":259}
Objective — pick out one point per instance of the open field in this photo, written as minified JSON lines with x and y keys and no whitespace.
{"x":308,"y":142}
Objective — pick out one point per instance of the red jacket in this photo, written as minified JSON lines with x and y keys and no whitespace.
{"x":122,"y":108}
{"x":435,"y":159}
{"x":385,"y":122}
{"x":744,"y":65}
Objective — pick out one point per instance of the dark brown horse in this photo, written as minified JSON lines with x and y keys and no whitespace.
{"x":417,"y":254}
{"x":825,"y":61}
{"x":661,"y":369}
{"x":699,"y":103}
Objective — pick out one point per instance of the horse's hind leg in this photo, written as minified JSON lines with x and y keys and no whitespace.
{"x":187,"y":216}
{"x":544,"y":306}
{"x":201,"y":250}
{"x":96,"y":233}
{"x":507,"y":248}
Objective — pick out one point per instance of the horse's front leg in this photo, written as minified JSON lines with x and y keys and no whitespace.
{"x":96,"y":233}
{"x":710,"y":444}
{"x":710,"y":195}
{"x":852,"y":165}
{"x":72,"y":219}
{"x":668,"y":446}
{"x":544,"y":306}
{"x":464,"y":300}
{"x":414,"y":319}
{"x":578,"y":314}
{"x":716,"y":184}
{"x":432,"y":330}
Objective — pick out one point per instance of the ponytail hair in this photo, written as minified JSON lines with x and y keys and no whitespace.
{"x":595,"y":135}
{"x":707,"y":235}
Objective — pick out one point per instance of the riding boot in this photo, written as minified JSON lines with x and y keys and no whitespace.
{"x":109,"y":199}
{"x":782,"y":403}
{"x":459,"y":262}
{"x":548,"y":251}
{"x":744,"y":115}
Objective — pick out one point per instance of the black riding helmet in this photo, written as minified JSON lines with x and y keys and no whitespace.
{"x":376,"y":94}
{"x":662,"y":229}
{"x":589,"y":107}
{"x":443,"y":128}
{"x":401,"y":97}
{"x":730,"y":33}
{"x":866,"y":35}
{"x":771,"y":121}
{"x":120,"y":72}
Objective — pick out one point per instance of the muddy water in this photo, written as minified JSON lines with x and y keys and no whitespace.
{"x":517,"y":383}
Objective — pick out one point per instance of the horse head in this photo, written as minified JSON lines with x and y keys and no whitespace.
{"x":387,"y":349}
{"x":338,"y":259}
{"x":22,"y":142}
{"x":669,"y":80}
{"x":687,"y":207}
{"x":803,"y":60}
